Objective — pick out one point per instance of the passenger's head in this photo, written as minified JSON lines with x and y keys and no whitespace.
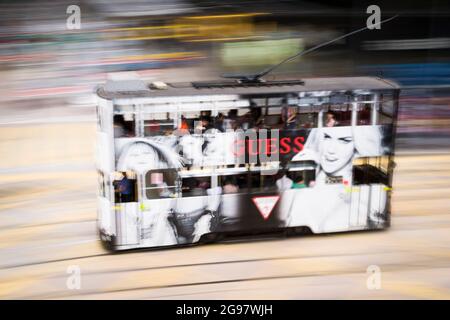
{"x":291,"y":111}
{"x":232,"y":113}
{"x":228,"y":181}
{"x":256,"y":112}
{"x":205,"y":120}
{"x":330,"y":116}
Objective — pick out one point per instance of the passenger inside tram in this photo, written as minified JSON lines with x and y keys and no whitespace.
{"x":230,"y":185}
{"x":219,"y":122}
{"x":234,"y":183}
{"x":123,"y":127}
{"x":284,"y":183}
{"x":262,"y":116}
{"x":330,"y":120}
{"x":195,"y":186}
{"x":230,"y":121}
{"x":299,"y":183}
{"x":289,"y":117}
{"x":337,"y":116}
{"x":364,"y":115}
{"x":204,"y":124}
{"x":302,"y":178}
{"x":124,"y":189}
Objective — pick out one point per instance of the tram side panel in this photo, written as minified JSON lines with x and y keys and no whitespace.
{"x":328,"y":204}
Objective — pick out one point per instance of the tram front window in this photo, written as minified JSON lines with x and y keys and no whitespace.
{"x":160,"y":184}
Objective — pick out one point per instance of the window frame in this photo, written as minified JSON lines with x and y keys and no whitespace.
{"x":176,"y":185}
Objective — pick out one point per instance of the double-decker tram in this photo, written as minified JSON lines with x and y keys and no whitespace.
{"x":178,"y":162}
{"x":181,"y":162}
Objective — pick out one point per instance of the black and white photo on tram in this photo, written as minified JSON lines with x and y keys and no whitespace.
{"x":258,"y":163}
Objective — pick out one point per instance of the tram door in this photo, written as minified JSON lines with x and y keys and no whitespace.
{"x":127,"y":217}
{"x":126,"y":208}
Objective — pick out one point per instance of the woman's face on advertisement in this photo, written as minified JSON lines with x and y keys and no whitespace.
{"x":337,"y":148}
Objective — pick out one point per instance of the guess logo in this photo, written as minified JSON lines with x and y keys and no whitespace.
{"x":265,"y":205}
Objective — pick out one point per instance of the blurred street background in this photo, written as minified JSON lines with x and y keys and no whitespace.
{"x":48,"y":182}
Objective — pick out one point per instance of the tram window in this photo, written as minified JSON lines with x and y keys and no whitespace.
{"x":271,"y":117}
{"x":197,"y":122}
{"x":249,"y":118}
{"x":337,"y":115}
{"x":307,"y":120}
{"x":276,"y":101}
{"x":236,"y":183}
{"x":386,"y":110}
{"x":274,"y":111}
{"x":188,"y":120}
{"x":160,"y":183}
{"x":195,"y":186}
{"x":125,"y":187}
{"x":364,"y":114}
{"x":302,"y":174}
{"x":204,"y":123}
{"x":124,"y":125}
{"x":264,"y":182}
{"x":219,"y":122}
{"x":373,"y":170}
{"x":158,"y":124}
{"x":273,"y":120}
{"x":261,"y":102}
{"x":288,"y":117}
{"x":232,"y":119}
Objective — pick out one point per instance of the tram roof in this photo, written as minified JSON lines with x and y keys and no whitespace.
{"x":126,"y":89}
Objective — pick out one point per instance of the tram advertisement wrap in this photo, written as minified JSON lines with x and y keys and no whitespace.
{"x":195,"y":184}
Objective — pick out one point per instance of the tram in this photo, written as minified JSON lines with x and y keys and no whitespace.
{"x":179,"y":163}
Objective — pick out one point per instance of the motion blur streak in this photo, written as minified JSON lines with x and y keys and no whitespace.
{"x":48,"y":183}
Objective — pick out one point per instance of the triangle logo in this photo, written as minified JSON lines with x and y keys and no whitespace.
{"x":265,"y":205}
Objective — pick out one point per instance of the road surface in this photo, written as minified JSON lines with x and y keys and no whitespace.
{"x":48,"y":211}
